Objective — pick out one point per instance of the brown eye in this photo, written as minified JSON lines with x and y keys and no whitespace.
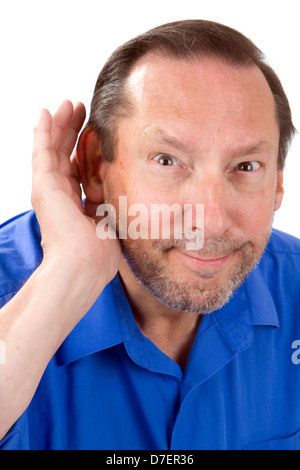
{"x":248,"y":166}
{"x":165,"y":159}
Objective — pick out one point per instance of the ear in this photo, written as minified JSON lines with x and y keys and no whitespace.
{"x":89,"y":160}
{"x":279,"y":190}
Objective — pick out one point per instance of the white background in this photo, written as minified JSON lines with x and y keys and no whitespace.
{"x":54,"y":49}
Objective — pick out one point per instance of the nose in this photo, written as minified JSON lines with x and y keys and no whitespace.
{"x":213,"y":193}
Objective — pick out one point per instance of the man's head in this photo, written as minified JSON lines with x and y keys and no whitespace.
{"x":184,"y":40}
{"x":205,"y":122}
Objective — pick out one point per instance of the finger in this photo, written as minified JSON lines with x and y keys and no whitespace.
{"x":75,"y":179}
{"x":42,"y":158}
{"x":70,"y":134}
{"x":61,"y":120}
{"x":75,"y":173}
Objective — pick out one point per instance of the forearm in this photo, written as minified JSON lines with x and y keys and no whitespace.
{"x":34,"y":324}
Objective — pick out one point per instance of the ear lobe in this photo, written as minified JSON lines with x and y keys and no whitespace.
{"x":89,"y":160}
{"x":279,"y":190}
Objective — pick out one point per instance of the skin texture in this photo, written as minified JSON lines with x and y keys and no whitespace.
{"x":208,"y":120}
{"x":75,"y":267}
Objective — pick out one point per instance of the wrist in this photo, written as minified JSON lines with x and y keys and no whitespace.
{"x":77,"y":275}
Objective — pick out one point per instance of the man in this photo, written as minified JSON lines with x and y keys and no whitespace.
{"x":143,"y":344}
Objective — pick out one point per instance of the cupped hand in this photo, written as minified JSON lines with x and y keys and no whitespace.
{"x":57,"y":196}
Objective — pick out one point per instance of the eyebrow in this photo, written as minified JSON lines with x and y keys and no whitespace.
{"x":240,"y":151}
{"x":169,"y":139}
{"x":251,"y":149}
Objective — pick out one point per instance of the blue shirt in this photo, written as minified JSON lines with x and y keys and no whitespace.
{"x":109,"y":387}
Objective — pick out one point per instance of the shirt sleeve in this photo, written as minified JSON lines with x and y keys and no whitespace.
{"x":17,"y":436}
{"x":6,"y":296}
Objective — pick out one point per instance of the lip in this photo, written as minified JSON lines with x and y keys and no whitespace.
{"x":202,"y":262}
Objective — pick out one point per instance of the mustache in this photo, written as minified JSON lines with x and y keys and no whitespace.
{"x":217,"y":248}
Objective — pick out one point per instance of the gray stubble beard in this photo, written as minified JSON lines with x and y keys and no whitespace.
{"x":198,"y":297}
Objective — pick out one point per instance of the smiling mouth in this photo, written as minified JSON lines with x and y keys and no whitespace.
{"x":206,"y":261}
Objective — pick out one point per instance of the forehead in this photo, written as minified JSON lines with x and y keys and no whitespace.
{"x":201,"y":95}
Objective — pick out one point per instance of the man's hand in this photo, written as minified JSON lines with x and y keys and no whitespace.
{"x":75,"y":269}
{"x":56,"y":194}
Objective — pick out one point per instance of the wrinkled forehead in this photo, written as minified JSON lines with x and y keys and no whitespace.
{"x":201,"y":95}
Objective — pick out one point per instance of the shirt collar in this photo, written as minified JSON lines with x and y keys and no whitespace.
{"x":251,"y":305}
{"x":261,"y":303}
{"x":99,"y":329}
{"x":110,"y":321}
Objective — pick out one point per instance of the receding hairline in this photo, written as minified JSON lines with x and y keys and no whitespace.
{"x":183,"y":40}
{"x":192,"y":59}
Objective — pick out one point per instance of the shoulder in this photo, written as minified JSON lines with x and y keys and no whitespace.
{"x":280,"y":263}
{"x":280,"y":269}
{"x":20,"y":251}
{"x":283,"y":243}
{"x":281,"y":260}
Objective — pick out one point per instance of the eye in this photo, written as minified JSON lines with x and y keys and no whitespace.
{"x":166,"y":160}
{"x":248,"y":166}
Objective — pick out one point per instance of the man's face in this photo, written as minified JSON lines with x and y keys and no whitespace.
{"x":201,"y":132}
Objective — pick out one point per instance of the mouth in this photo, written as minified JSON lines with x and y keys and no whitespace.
{"x":207,"y":260}
{"x":204,"y":261}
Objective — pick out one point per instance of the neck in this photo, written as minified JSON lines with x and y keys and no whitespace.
{"x":172,"y":331}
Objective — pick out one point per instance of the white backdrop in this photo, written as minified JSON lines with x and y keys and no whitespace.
{"x":54,"y":49}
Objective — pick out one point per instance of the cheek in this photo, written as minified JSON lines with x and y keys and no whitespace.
{"x":254,"y":216}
